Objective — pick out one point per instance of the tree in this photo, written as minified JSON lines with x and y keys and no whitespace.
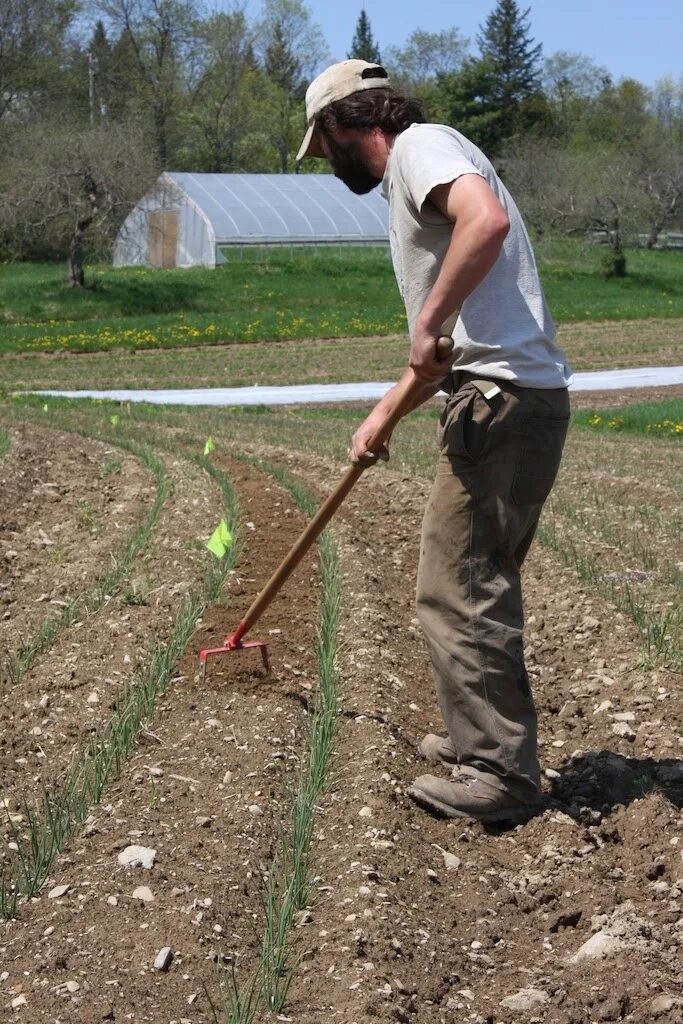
{"x":33,"y":41}
{"x":363,"y":45}
{"x":506,"y":41}
{"x":226,"y":115}
{"x":570,"y":82}
{"x":667,"y":107}
{"x":292,"y":47}
{"x":467,"y":100}
{"x":425,"y":56}
{"x":100,"y":85}
{"x":161,"y":40}
{"x":78,"y":193}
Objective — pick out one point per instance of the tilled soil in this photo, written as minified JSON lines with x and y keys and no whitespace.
{"x":62,"y":518}
{"x":71,"y":689}
{"x":414,"y":919}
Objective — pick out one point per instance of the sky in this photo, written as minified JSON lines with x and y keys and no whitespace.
{"x":631,"y":38}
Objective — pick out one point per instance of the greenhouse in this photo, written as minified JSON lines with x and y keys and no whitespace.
{"x":189,"y":220}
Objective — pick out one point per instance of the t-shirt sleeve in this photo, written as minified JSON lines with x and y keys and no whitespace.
{"x":428,"y":157}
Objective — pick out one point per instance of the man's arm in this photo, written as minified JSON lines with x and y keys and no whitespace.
{"x":359,"y":442}
{"x":480,"y":225}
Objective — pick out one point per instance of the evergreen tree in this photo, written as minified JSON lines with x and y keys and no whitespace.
{"x":363,"y":46}
{"x":281,"y":63}
{"x":506,"y":41}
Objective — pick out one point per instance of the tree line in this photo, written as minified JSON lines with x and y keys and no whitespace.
{"x":98,"y":96}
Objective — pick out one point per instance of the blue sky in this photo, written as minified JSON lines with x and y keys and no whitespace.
{"x":642,"y":40}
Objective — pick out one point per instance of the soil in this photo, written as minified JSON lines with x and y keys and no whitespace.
{"x":393,"y":933}
{"x":61,"y":521}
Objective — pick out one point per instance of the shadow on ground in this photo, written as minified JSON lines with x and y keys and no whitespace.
{"x":600,"y":780}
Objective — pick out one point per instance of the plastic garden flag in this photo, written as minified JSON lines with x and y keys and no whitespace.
{"x":209,"y":446}
{"x":220,"y":541}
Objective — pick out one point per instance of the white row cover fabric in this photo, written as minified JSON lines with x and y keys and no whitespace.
{"x":300,"y":394}
{"x":186,"y":218}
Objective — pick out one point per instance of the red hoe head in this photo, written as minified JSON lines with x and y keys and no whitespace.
{"x":235,"y":643}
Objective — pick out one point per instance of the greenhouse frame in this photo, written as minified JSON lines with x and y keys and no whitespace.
{"x":188,"y":219}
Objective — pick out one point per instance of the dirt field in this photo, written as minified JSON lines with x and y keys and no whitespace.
{"x":573,"y":918}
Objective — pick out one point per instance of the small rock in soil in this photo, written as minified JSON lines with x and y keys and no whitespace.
{"x":599,"y":945}
{"x":144,"y":893}
{"x":137,"y":856}
{"x":255,"y":809}
{"x":526,"y":999}
{"x":59,"y":890}
{"x":163,"y":959}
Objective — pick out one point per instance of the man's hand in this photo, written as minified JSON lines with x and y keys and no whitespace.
{"x":358,"y":452}
{"x":424,"y":356}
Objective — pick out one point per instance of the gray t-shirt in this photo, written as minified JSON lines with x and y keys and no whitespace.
{"x":505,"y":329}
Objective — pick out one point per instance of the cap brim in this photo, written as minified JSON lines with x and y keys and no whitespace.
{"x":311,"y":145}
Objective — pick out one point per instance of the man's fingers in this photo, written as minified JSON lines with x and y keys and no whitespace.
{"x":366,"y":458}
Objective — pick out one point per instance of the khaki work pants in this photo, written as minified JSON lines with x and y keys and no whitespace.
{"x":499,"y":458}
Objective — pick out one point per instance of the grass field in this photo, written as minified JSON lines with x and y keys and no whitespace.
{"x":278,"y":296}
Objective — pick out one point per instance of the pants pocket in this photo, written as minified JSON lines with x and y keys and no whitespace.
{"x":465,"y":424}
{"x":541,"y":440}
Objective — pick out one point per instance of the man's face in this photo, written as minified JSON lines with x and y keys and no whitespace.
{"x":348,"y":165}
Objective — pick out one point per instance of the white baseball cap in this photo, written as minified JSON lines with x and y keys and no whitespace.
{"x":336,"y":83}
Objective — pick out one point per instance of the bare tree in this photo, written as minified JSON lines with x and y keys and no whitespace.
{"x":570,"y":192}
{"x":77,"y":193}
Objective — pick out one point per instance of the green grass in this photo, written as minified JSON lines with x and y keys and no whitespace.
{"x":4,"y":442}
{"x":290,"y":295}
{"x":576,"y":288}
{"x":656,"y":419}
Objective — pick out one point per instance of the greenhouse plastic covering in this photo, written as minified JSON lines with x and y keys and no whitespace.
{"x":285,"y":208}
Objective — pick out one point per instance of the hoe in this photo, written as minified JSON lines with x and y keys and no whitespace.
{"x":236,"y":642}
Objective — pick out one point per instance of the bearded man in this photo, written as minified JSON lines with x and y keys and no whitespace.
{"x":459,"y":248}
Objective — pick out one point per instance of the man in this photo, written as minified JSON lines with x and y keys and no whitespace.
{"x":459,"y":246}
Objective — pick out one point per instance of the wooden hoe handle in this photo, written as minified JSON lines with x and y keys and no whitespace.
{"x":403,"y":404}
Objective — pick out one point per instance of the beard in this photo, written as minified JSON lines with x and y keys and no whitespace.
{"x":349,"y":168}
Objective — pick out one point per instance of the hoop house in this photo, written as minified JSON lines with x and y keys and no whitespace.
{"x":187,"y":219}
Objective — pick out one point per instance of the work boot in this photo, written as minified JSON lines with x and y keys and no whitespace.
{"x":437,"y":748}
{"x":466,"y":796}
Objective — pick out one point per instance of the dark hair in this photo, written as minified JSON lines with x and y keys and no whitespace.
{"x":372,"y":108}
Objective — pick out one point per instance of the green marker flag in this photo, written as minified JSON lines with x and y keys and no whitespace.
{"x":45,"y":408}
{"x":113,"y":420}
{"x":209,"y":446}
{"x":220,"y":541}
